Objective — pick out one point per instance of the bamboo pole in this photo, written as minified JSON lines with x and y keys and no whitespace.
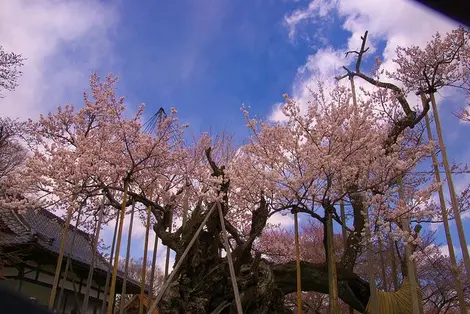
{"x":332,"y":275}
{"x":233,"y":276}
{"x":128,"y":255}
{"x":393,"y":262}
{"x":144,"y":264}
{"x":345,"y":237}
{"x":180,"y":261}
{"x":154,"y":264}
{"x":370,"y":256}
{"x":445,"y":218}
{"x":118,"y":244}
{"x":354,"y":99}
{"x":61,"y":255}
{"x":343,"y":222}
{"x":450,"y":184}
{"x":297,"y":263}
{"x":93,"y":256}
{"x":382,"y":262}
{"x":168,"y":251}
{"x":410,"y":265}
{"x":69,"y":259}
{"x":111,"y":258}
{"x":185,"y":205}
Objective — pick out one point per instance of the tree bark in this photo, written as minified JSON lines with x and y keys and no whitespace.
{"x":200,"y":282}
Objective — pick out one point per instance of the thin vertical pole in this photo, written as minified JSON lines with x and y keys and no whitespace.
{"x":111,"y":258}
{"x":332,"y":275}
{"x":233,"y":276}
{"x":393,"y":262}
{"x":408,"y":251}
{"x":382,"y":262}
{"x":450,"y":184}
{"x":144,"y":264}
{"x":61,"y":254}
{"x":445,"y":218}
{"x":128,"y":255}
{"x":69,"y":258}
{"x":92,"y":264}
{"x":297,"y":262}
{"x":118,"y":244}
{"x":168,"y":251}
{"x":370,"y":256}
{"x":345,"y":237}
{"x":154,"y":264}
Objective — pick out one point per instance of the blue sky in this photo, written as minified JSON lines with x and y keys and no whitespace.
{"x":206,"y":58}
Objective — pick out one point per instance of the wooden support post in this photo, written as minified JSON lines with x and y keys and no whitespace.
{"x":383,"y":264}
{"x":128,"y":255}
{"x":445,"y":218}
{"x":414,"y":286}
{"x":144,"y":264}
{"x":180,"y":261}
{"x":168,"y":251}
{"x":370,"y":256}
{"x":393,"y":262}
{"x":450,"y":184}
{"x":61,"y":255}
{"x":154,"y":265}
{"x":21,"y":276}
{"x":69,"y":257}
{"x":111,"y":258}
{"x":332,"y":275}
{"x":345,"y":236}
{"x":297,"y":263}
{"x":118,"y":245}
{"x":233,"y":276}
{"x":93,"y":256}
{"x":65,"y":302}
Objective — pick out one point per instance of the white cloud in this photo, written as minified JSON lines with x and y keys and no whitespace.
{"x":394,"y":22}
{"x":458,"y":252}
{"x":434,"y":226}
{"x":282,"y":220}
{"x":444,"y":250}
{"x":315,"y":9}
{"x":63,"y":41}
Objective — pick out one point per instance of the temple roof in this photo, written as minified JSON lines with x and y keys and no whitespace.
{"x":43,"y":230}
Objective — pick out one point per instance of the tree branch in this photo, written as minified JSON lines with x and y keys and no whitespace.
{"x":352,"y":289}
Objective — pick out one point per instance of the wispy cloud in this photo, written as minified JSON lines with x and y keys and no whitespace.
{"x":391,"y":22}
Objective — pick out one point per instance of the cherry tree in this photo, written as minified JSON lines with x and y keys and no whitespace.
{"x":10,"y":63}
{"x":442,"y":63}
{"x":336,"y":152}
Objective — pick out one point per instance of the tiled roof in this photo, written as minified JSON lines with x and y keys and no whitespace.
{"x":45,"y":229}
{"x":51,"y":228}
{"x":13,"y":230}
